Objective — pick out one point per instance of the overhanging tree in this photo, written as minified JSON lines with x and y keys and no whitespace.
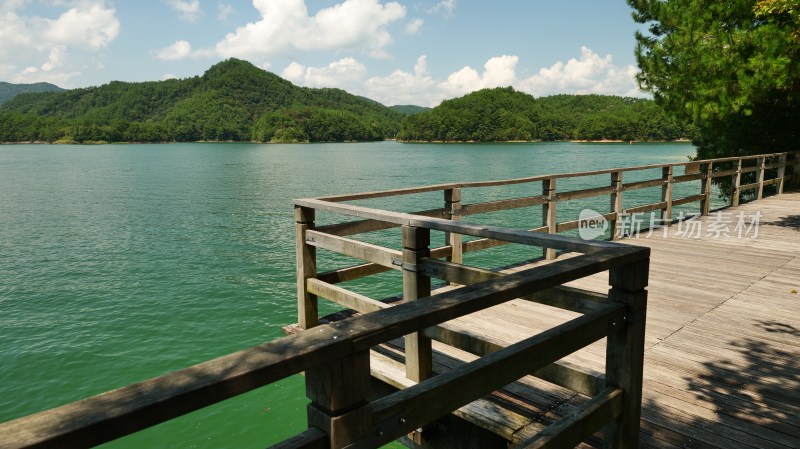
{"x":732,"y":67}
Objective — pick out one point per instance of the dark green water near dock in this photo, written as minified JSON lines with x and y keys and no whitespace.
{"x":123,"y":262}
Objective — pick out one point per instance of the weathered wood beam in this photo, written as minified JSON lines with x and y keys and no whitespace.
{"x":687,"y":178}
{"x":312,"y":438}
{"x":647,"y":208}
{"x":362,"y":226}
{"x":350,"y":273}
{"x":344,"y":297}
{"x":305,"y":267}
{"x":688,"y":199}
{"x":568,"y":298}
{"x":625,"y":351}
{"x":492,"y":206}
{"x":705,"y":188}
{"x":472,"y":229}
{"x":584,"y":193}
{"x":643,"y":184}
{"x":570,"y":431}
{"x":416,"y":247}
{"x":354,"y":248}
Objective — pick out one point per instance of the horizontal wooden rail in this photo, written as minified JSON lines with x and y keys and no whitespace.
{"x":568,"y":298}
{"x":354,"y":248}
{"x":572,"y":430}
{"x":514,"y":203}
{"x":363,"y":226}
{"x":688,"y":199}
{"x":642,"y":184}
{"x":584,"y":193}
{"x":646,"y":208}
{"x":464,"y":228}
{"x":539,"y":178}
{"x":687,"y":178}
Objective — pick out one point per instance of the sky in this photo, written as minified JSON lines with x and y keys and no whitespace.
{"x":395,"y":52}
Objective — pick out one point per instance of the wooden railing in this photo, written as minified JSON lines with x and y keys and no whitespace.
{"x":336,"y":356}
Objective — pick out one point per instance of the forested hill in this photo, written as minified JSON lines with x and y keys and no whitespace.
{"x":503,"y":114}
{"x":232,"y":101}
{"x":9,"y":90}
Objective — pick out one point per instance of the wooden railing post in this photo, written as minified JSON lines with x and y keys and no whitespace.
{"x":705,"y":187}
{"x":306,"y":259}
{"x":781,"y":172}
{"x":797,"y":169}
{"x":761,"y":163}
{"x":616,"y":205}
{"x":452,"y":208}
{"x":737,"y":182}
{"x":416,"y":245}
{"x":549,"y":212}
{"x":625,"y":351}
{"x":666,"y":194}
{"x":339,"y":392}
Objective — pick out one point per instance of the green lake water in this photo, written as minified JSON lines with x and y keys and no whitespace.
{"x":123,"y":262}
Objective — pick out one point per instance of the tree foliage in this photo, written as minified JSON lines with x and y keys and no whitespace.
{"x":731,"y":67}
{"x":502,"y":114}
{"x":232,"y":101}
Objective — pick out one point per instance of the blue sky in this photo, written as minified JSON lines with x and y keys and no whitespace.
{"x":396,"y":52}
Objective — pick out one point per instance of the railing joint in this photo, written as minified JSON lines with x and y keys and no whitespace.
{"x":405,"y":265}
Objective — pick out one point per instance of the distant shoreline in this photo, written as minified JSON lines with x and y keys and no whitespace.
{"x":538,"y":141}
{"x":364,"y":141}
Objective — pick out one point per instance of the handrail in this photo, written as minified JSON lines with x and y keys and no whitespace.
{"x":538,"y":178}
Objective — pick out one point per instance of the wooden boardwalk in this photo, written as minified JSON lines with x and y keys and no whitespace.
{"x":722,"y":340}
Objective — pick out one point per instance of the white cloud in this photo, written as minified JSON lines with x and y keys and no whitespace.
{"x":89,"y":26}
{"x":37,"y":75}
{"x":414,"y":26}
{"x":169,"y":76}
{"x":285,"y":27}
{"x":343,"y":73}
{"x":6,"y":69}
{"x":589,"y":74}
{"x":224,"y":11}
{"x":498,"y":71}
{"x":445,"y":7}
{"x":55,"y":59}
{"x":178,"y":50}
{"x":15,"y":33}
{"x":401,"y":87}
{"x":188,"y":10}
{"x":54,"y":49}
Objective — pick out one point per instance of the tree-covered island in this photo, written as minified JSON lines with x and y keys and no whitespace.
{"x":505,"y":115}
{"x":236,"y":101}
